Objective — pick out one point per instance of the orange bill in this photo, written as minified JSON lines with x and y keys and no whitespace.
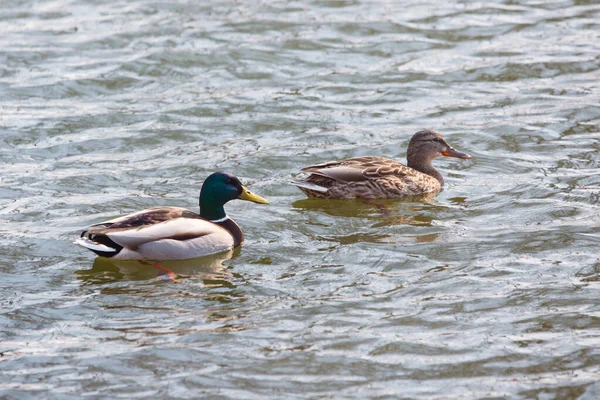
{"x":450,"y":152}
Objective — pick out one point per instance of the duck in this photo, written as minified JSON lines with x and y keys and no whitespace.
{"x":174,"y":233}
{"x":373,"y":177}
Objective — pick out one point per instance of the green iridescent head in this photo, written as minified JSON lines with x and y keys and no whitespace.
{"x":218,"y":189}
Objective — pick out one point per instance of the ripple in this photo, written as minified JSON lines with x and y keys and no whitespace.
{"x":485,"y":290}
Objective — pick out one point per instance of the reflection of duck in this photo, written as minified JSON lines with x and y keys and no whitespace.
{"x":366,"y":208}
{"x":379,"y":177}
{"x":209,"y":268}
{"x":418,"y":211}
{"x":388,"y":212}
{"x":173,"y":233}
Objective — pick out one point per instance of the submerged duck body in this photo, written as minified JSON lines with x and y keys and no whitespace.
{"x":174,"y":233}
{"x":380,"y":177}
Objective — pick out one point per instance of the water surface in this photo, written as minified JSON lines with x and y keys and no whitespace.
{"x":489,"y":290}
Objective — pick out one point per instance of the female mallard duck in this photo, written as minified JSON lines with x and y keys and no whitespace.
{"x":380,"y":177}
{"x":174,"y":233}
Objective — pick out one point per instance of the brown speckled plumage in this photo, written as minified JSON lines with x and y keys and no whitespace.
{"x":380,"y":177}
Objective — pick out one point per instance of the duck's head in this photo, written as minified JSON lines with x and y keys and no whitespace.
{"x":223,"y":187}
{"x":218,"y":189}
{"x":426,"y":145}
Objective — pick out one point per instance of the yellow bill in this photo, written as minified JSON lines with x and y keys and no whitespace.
{"x":248,"y":195}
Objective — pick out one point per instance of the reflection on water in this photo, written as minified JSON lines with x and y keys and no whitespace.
{"x":411,"y":211}
{"x":362,"y":208}
{"x":405,"y":211}
{"x":209,"y":269}
{"x":458,"y":201}
{"x":415,"y":218}
{"x":205,"y":281}
{"x":123,"y":105}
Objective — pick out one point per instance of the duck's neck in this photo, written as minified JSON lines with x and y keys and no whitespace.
{"x":215,"y":213}
{"x":211,"y":209}
{"x":426,"y":167}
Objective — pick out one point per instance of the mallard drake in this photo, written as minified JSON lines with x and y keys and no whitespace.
{"x":174,"y":233}
{"x":380,"y":177}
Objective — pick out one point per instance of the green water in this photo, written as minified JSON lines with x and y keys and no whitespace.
{"x":488,"y":290}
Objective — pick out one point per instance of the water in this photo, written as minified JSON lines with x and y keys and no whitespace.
{"x":489,"y":290}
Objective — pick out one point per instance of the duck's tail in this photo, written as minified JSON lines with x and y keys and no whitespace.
{"x":102,"y":245}
{"x":310,"y":186}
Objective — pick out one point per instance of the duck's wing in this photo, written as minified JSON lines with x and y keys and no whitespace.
{"x":150,"y":226}
{"x":176,"y":229}
{"x":359,"y":169}
{"x":145,"y":217}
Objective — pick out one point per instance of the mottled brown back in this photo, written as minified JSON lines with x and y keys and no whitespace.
{"x":368,"y":178}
